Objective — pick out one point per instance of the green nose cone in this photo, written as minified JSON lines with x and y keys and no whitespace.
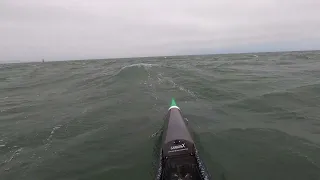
{"x":173,"y":102}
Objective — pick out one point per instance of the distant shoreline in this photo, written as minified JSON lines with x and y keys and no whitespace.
{"x":167,"y":56}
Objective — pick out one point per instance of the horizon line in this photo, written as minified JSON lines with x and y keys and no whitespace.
{"x":157,"y":56}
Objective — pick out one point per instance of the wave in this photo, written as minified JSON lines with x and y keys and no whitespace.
{"x":289,"y":94}
{"x":281,"y":105}
{"x":161,"y":79}
{"x":144,"y":65}
{"x":49,"y":139}
{"x":132,"y":68}
{"x":5,"y":163}
{"x":132,"y":71}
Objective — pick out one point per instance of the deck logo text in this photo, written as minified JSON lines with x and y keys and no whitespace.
{"x":178,"y":146}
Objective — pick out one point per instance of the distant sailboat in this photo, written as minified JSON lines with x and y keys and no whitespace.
{"x":43,"y":60}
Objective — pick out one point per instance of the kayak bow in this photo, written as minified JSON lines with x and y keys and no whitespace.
{"x":179,"y":159}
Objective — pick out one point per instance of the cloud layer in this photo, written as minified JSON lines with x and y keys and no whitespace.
{"x":83,"y":29}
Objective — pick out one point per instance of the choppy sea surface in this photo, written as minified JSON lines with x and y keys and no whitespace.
{"x":255,"y":116}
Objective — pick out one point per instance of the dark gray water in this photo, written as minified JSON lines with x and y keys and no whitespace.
{"x":255,"y":116}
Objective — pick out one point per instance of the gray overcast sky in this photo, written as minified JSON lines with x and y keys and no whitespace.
{"x":82,"y":29}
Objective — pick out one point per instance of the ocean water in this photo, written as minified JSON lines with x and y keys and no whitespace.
{"x":255,"y":116}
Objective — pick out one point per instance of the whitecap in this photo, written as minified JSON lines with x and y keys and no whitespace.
{"x":146,"y":65}
{"x":17,"y":152}
{"x":53,"y":130}
{"x":49,"y":139}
